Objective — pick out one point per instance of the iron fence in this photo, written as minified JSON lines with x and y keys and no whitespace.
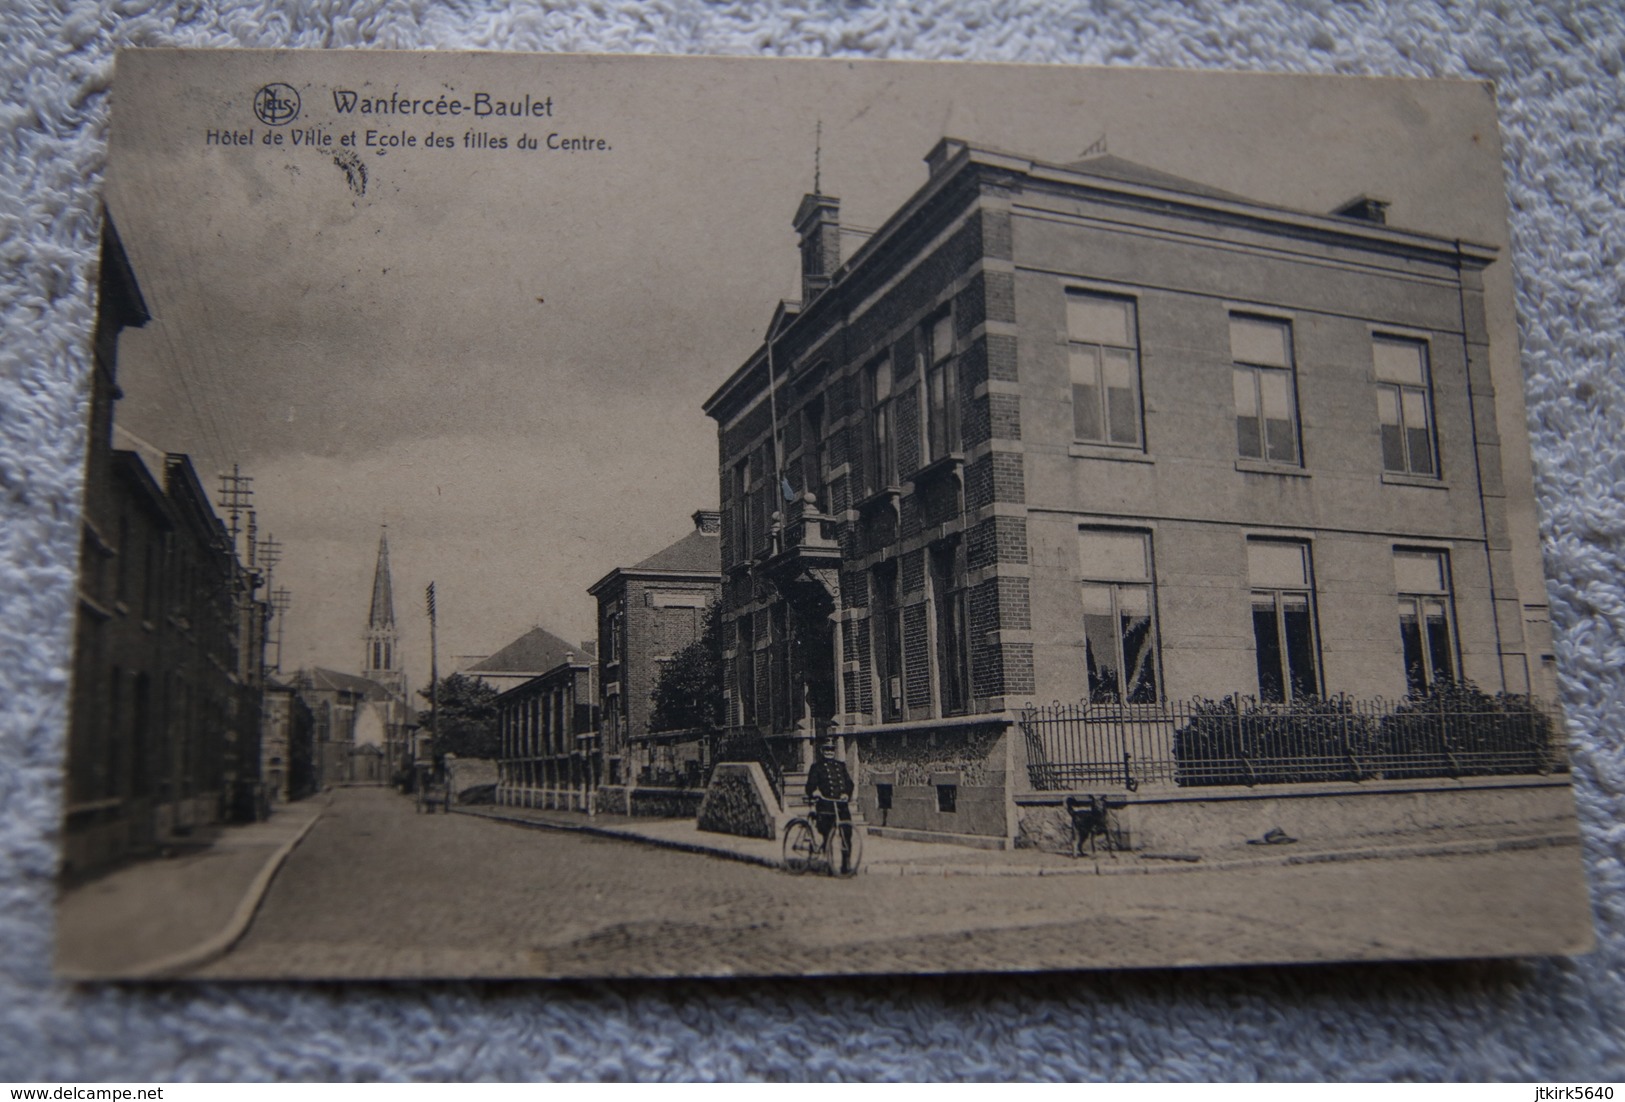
{"x":1451,"y":732}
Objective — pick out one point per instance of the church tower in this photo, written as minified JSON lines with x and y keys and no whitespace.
{"x":383,"y":662}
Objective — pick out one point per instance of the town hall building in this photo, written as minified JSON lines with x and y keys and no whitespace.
{"x":1090,"y":432}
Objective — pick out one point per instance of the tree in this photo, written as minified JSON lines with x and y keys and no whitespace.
{"x":468,"y":717}
{"x":688,"y":695}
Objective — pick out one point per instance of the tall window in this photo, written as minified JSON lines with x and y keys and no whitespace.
{"x":953,"y":638}
{"x":815,"y":453}
{"x":778,"y":667}
{"x":1423,"y":581}
{"x":1283,"y":619}
{"x":740,"y":514}
{"x":1403,"y":406}
{"x":745,"y":669}
{"x":1104,"y":350}
{"x":1119,"y":624}
{"x":886,"y":643}
{"x":1266,"y":403}
{"x":941,"y":389}
{"x":882,"y":426}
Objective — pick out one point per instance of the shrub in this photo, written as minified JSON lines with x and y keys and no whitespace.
{"x":1246,"y":742}
{"x":1456,"y":729}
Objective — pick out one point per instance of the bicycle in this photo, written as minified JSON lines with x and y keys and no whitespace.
{"x":840,"y":853}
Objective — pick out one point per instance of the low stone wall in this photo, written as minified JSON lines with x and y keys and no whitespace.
{"x":1183,"y":822}
{"x":650,"y":802}
{"x":611,"y":800}
{"x":666,"y":803}
{"x":739,"y":801}
{"x":948,"y":780}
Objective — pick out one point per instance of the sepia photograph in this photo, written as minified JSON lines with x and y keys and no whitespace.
{"x":584,"y":516}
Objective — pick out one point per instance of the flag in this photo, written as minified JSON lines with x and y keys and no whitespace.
{"x":785,"y":488}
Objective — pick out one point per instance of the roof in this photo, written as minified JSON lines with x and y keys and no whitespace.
{"x":333,"y":680}
{"x":120,"y":293}
{"x":1130,"y":172}
{"x":536,"y":651}
{"x":696,"y":553}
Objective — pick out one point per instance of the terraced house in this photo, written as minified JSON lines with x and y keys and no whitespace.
{"x":1093,"y":433}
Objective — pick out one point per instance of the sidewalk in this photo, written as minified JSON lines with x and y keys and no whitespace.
{"x":897,"y":857}
{"x":165,"y":915}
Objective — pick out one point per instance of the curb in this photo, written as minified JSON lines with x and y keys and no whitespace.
{"x":172,"y":966}
{"x":1463,"y":847}
{"x":628,"y":836}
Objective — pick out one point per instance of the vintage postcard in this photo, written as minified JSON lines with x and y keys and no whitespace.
{"x":586,"y":516}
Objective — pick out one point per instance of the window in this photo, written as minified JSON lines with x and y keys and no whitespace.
{"x":740,"y":514}
{"x":781,"y":706}
{"x":882,"y":427}
{"x":1266,"y":407}
{"x":745,"y":669}
{"x":1423,"y":581}
{"x":1283,"y":620}
{"x":815,"y":457}
{"x":1403,"y":406}
{"x":947,"y":798}
{"x":1119,"y":627}
{"x":953,"y":640}
{"x":886,"y":623}
{"x":1104,"y":351}
{"x":941,"y":389}
{"x":883,"y":796}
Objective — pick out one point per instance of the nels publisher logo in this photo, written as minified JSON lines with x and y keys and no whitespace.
{"x":276,"y":104}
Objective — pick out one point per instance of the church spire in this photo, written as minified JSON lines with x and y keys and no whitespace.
{"x":383,"y":597}
{"x":382,"y":663}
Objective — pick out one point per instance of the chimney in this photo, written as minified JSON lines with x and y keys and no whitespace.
{"x":942,"y":153}
{"x":708,"y":521}
{"x":818,"y":223}
{"x":1363,"y":208}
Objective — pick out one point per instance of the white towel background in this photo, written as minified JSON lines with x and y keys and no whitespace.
{"x":1559,"y":69}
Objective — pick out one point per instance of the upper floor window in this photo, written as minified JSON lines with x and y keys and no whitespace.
{"x":739,"y":510}
{"x":1103,"y":337}
{"x":1403,"y":406}
{"x":882,"y":426}
{"x":1422,"y":579}
{"x":941,"y":389}
{"x":1266,"y":398}
{"x":1119,"y":618}
{"x":1283,"y":619}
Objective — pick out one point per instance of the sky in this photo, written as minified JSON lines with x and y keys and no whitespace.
{"x":502,"y":353}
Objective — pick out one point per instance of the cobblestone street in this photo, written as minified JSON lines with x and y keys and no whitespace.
{"x":376,"y":890}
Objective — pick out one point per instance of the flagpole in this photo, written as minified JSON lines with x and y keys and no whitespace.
{"x":773,"y":415}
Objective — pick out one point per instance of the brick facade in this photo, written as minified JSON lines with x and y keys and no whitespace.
{"x":646,"y":614}
{"x":1007,"y":247}
{"x":164,"y":736}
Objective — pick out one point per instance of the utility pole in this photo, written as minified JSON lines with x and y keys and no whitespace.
{"x":434,"y":677}
{"x":235,"y":493}
{"x":269,"y":553}
{"x":281,"y":600}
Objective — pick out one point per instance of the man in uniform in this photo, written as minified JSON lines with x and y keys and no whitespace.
{"x":829,"y":790}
